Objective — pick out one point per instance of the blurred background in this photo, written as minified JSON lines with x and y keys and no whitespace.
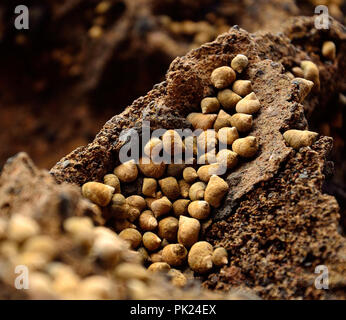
{"x":83,"y":61}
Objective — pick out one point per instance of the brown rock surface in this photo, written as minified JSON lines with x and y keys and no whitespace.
{"x":71,"y":83}
{"x":325,"y":110}
{"x":282,"y":230}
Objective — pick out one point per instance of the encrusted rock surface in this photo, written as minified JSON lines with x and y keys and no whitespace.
{"x":282,"y":230}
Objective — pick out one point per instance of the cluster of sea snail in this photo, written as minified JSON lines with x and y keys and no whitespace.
{"x":163,"y":223}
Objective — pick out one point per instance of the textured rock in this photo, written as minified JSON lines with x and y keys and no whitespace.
{"x":282,"y":230}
